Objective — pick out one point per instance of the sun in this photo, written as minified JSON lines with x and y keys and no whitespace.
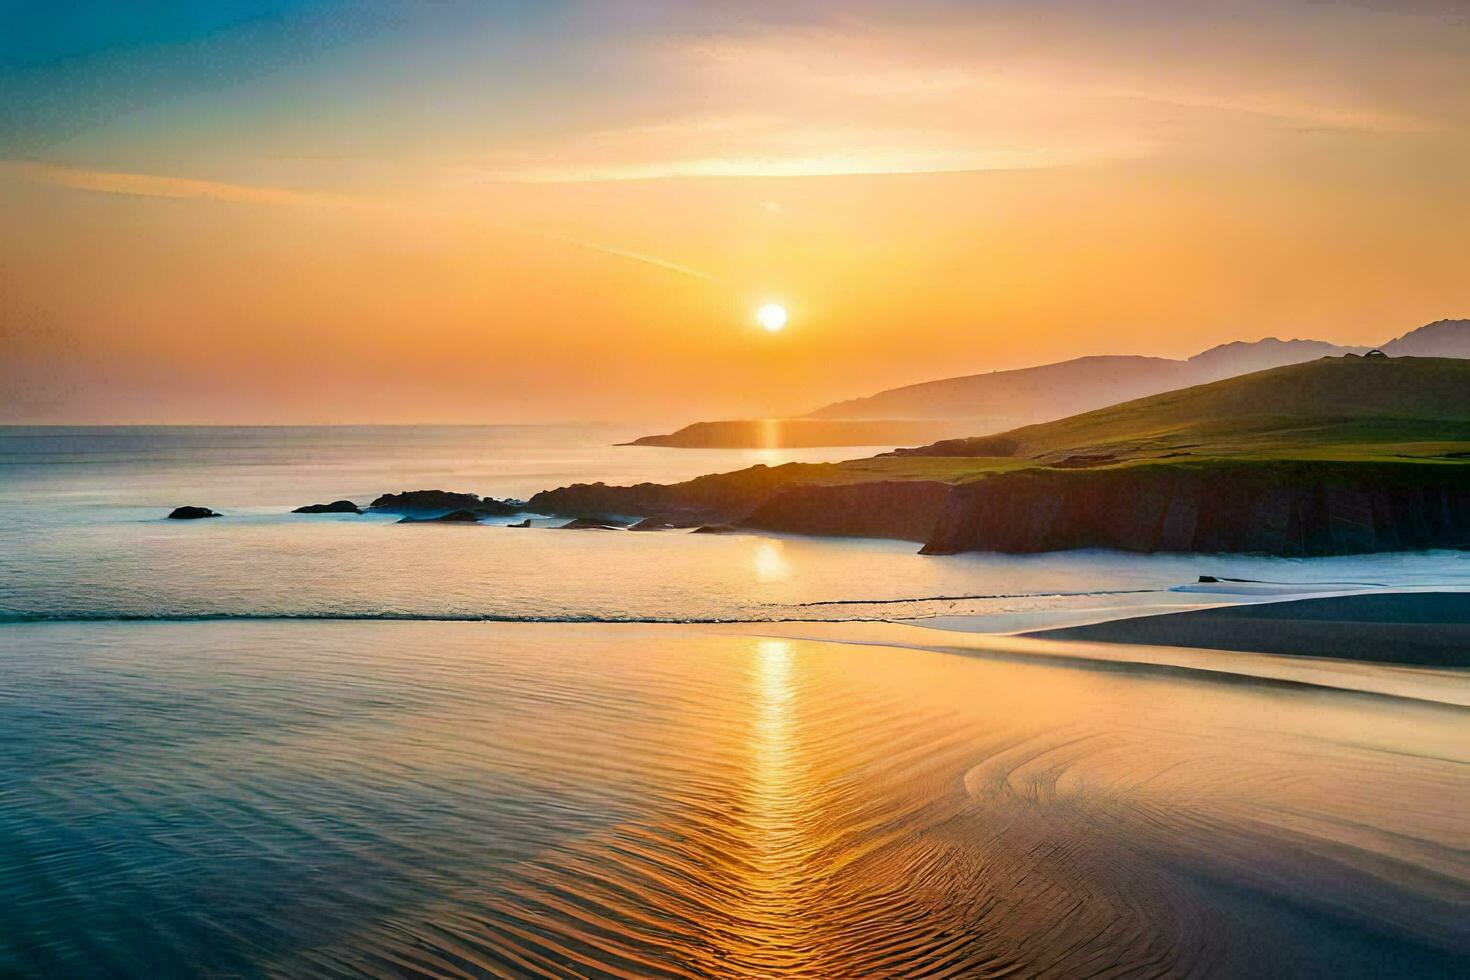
{"x":772,"y":316}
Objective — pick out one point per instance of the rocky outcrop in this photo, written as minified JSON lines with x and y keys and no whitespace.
{"x":1289,"y":508}
{"x":593,"y":524}
{"x":191,"y":513}
{"x":903,"y":509}
{"x":720,"y":498}
{"x":652,"y":524}
{"x":335,"y":507}
{"x":411,"y":501}
{"x":453,"y":517}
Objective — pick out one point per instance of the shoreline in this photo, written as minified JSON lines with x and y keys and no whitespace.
{"x":1410,"y":629}
{"x":1409,"y":645}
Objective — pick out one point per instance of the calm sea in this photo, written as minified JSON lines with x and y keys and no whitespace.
{"x":83,"y":536}
{"x":251,"y":746}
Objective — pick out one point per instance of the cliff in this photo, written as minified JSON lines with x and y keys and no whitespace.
{"x":1336,"y":456}
{"x":714,"y":499}
{"x":1286,"y":507}
{"x":905,"y":510}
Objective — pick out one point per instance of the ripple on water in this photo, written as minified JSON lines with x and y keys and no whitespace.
{"x":491,"y":799}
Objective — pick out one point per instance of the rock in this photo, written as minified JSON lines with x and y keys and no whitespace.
{"x":714,"y":499}
{"x":490,"y":507}
{"x":453,"y":517}
{"x":1208,"y":580}
{"x":902,"y":509}
{"x":191,"y":513}
{"x":410,"y":501}
{"x":335,"y":507}
{"x":1289,"y":508}
{"x":652,"y":524}
{"x":525,"y":523}
{"x":715,"y":529}
{"x":593,"y":524}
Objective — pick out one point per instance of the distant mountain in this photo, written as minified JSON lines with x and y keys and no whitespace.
{"x":1442,"y":338}
{"x":798,"y":433}
{"x":1057,"y":390}
{"x":1244,"y":357}
{"x":1007,"y":397}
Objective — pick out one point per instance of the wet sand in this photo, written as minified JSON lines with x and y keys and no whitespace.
{"x":1430,"y":629}
{"x":472,"y":799}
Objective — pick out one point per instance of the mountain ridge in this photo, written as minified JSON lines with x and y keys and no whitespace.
{"x":993,"y":401}
{"x":1052,"y":390}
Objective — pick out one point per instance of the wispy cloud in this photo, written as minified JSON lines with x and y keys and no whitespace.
{"x":624,"y":253}
{"x":182,"y":188}
{"x":186,"y":188}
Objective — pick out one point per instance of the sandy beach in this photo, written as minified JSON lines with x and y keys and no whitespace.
{"x":1430,"y":629}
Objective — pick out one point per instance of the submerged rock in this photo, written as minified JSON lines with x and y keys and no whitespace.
{"x":409,"y":501}
{"x":594,"y":524}
{"x":453,"y":517}
{"x":191,"y":513}
{"x":335,"y":507}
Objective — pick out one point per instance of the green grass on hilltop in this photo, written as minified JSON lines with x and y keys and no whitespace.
{"x":1333,"y":408}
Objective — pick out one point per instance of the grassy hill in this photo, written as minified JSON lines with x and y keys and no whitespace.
{"x":1331,"y":408}
{"x":1337,"y":455}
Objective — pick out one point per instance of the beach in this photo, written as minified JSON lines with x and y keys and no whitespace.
{"x":1430,"y":629}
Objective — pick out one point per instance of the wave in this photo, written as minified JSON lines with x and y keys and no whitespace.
{"x":963,"y":598}
{"x":771,"y":613}
{"x":87,"y":616}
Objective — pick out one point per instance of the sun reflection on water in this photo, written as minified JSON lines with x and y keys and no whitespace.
{"x":778,"y":804}
{"x":770,"y":562}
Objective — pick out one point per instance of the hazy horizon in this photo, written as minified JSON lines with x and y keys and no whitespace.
{"x":274,"y":212}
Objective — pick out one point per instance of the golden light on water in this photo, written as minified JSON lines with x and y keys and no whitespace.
{"x":770,"y":562}
{"x":771,"y":749}
{"x":779,"y":816}
{"x":772,"y":317}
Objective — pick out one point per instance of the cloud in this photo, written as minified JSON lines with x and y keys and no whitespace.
{"x":624,"y":253}
{"x":182,"y":188}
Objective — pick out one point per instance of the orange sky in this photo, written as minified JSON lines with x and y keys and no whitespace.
{"x":460,"y":215}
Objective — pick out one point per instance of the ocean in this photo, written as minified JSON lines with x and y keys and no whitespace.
{"x":282,"y":745}
{"x":83,"y":536}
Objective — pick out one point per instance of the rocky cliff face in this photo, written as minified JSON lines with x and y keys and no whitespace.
{"x":1286,"y":507}
{"x":1290,"y":509}
{"x":715,"y":499}
{"x":905,"y":510}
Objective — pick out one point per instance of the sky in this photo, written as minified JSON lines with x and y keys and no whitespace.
{"x":320,"y":211}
